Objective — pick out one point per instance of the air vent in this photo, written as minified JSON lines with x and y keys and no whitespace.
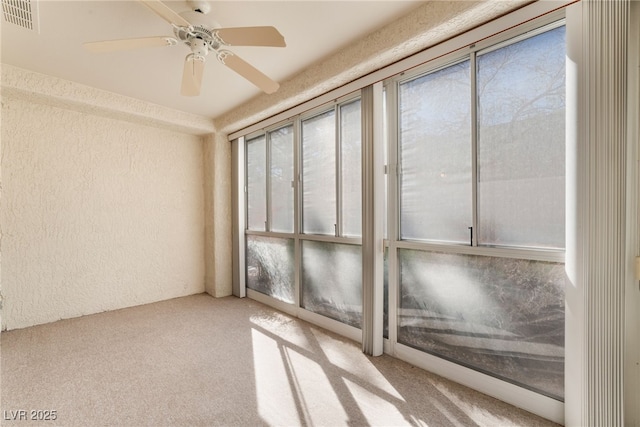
{"x":23,"y":13}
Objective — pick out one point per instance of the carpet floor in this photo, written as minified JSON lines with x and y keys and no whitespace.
{"x":201,"y":361}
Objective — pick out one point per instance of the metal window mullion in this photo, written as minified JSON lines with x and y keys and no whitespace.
{"x":332,"y":239}
{"x":297,"y":198}
{"x":474,"y":149}
{"x":393,"y":210}
{"x":274,"y":234}
{"x":299,"y":178}
{"x":338,"y":157}
{"x":372,"y":212}
{"x":240,"y":212}
{"x":297,"y":209}
{"x":487,"y":251}
{"x":267,"y":143}
{"x":395,"y":160}
{"x":245,"y":184}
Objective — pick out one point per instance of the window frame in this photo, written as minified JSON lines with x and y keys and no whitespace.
{"x":396,"y":83}
{"x":338,"y":236}
{"x":298,"y":236}
{"x":394,"y":166}
{"x":266,"y":133}
{"x":522,"y":23}
{"x":534,"y":401}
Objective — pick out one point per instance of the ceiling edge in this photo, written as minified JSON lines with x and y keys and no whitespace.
{"x":429,"y":24}
{"x":35,"y":87}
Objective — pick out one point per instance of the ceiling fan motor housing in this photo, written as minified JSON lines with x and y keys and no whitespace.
{"x":201,"y":34}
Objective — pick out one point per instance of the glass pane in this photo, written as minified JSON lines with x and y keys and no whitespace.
{"x":257,"y":183}
{"x":385,"y":298}
{"x":501,"y":316}
{"x":435,"y":154}
{"x":351,"y":150}
{"x":521,"y":148}
{"x":270,"y":267}
{"x":282,"y":180}
{"x":385,"y":150}
{"x":332,"y":281}
{"x":319,"y":174}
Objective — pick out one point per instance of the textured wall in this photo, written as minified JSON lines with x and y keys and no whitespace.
{"x":97,"y":213}
{"x":218,"y":228}
{"x":36,"y":87}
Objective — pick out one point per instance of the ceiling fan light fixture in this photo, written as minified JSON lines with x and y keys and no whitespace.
{"x":199,"y":47}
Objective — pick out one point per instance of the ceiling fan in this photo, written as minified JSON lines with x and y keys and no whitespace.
{"x":203,"y":35}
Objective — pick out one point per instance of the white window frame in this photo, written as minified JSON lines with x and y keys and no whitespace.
{"x":519,"y":396}
{"x":297,"y":235}
{"x":520,"y":21}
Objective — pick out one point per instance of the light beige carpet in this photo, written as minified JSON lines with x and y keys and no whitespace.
{"x":200,"y":361}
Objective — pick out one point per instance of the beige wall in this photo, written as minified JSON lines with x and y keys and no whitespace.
{"x":97,"y":213}
{"x":105,"y":197}
{"x":218,"y":229}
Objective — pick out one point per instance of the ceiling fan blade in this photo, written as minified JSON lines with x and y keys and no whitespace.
{"x":250,"y":36}
{"x":128,"y":44}
{"x":247,"y":71}
{"x":166,"y":13}
{"x":192,"y":75}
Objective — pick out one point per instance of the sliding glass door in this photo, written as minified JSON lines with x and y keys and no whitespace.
{"x":474,"y":215}
{"x":478,"y":259}
{"x":303,"y":216}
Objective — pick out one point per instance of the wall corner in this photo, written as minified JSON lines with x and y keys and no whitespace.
{"x":217,"y":210}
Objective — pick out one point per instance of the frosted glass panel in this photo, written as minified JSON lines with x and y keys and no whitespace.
{"x":521,"y":148}
{"x":319,"y":174}
{"x":351,"y":149}
{"x":257,"y":183}
{"x":332,"y":281}
{"x":435,"y":153}
{"x":501,"y":316}
{"x":385,"y":297}
{"x":385,"y":150}
{"x":270,"y":267}
{"x":281,"y":150}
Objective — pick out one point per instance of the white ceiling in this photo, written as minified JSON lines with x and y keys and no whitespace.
{"x":312,"y":30}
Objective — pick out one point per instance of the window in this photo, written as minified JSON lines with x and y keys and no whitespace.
{"x":435,"y":153}
{"x":277,"y":147}
{"x":481,"y":148}
{"x":270,"y":267}
{"x":330,"y":266}
{"x":281,"y":179}
{"x":521,"y":151}
{"x":351,"y":170}
{"x":270,"y":209}
{"x":473,"y":268}
{"x":319,"y":174}
{"x":257,"y":183}
{"x":500,"y":316}
{"x":331,"y":282}
{"x":331,"y":172}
